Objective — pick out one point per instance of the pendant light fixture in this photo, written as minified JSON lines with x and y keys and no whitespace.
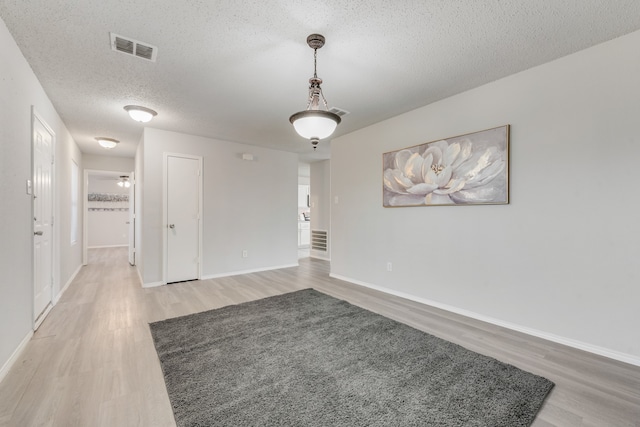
{"x":124,"y":182}
{"x":316,"y":122}
{"x":140,"y":114}
{"x":107,"y":143}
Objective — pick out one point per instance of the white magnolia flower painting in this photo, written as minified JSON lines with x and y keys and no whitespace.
{"x":463,"y":170}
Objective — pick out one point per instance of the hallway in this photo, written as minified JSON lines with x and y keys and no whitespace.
{"x":93,"y":363}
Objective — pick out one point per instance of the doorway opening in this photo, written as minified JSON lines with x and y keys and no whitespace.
{"x":304,"y":210}
{"x":108,"y":212}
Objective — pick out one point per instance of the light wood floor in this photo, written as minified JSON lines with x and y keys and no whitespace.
{"x":92,"y":362}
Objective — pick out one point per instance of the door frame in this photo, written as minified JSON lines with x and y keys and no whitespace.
{"x":54,"y":236}
{"x":132,"y":219}
{"x":85,"y":206}
{"x":165,"y":211}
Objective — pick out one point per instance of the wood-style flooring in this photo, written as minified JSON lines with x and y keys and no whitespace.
{"x":92,"y":362}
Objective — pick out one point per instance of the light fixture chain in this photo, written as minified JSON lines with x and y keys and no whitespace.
{"x":326,"y":106}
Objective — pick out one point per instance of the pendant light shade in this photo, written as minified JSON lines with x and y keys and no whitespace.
{"x":140,"y":114}
{"x":316,"y":122}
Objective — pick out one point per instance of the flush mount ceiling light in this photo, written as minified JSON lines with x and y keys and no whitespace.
{"x":124,"y":181}
{"x":140,"y":114}
{"x":316,"y":122}
{"x":107,"y":143}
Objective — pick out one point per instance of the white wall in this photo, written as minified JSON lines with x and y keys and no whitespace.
{"x":561,"y":260}
{"x":321,"y":203}
{"x":108,"y":229}
{"x":19,"y":91}
{"x":248,"y":205}
{"x":108,"y":163}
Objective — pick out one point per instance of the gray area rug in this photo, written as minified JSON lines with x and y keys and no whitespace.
{"x":308,"y":359}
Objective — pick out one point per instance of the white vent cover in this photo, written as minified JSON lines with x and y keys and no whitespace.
{"x":133,"y":47}
{"x":319,"y":240}
{"x":340,"y":112}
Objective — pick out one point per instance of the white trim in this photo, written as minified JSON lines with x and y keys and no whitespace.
{"x":15,"y":356}
{"x":601,"y":351}
{"x":231,"y":273}
{"x":152,"y":284}
{"x":66,"y":286}
{"x":75,"y":191}
{"x":312,"y":255}
{"x":108,"y":246}
{"x":239,"y":272}
{"x":137,"y":266}
{"x":131,"y":238}
{"x":165,"y":207}
{"x":37,"y":322}
{"x":85,"y":215}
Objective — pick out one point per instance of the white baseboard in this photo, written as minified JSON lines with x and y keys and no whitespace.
{"x":66,"y":286}
{"x":312,"y":255}
{"x":601,"y":351}
{"x":14,"y":357}
{"x":152,"y":284}
{"x":107,"y":246}
{"x":149,"y":284}
{"x":43,"y":316}
{"x":231,"y":273}
{"x":255,"y":270}
{"x":139,"y":275}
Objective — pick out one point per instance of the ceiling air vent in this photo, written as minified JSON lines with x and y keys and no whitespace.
{"x":133,"y":47}
{"x":338,"y":111}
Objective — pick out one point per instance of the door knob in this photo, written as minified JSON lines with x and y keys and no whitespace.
{"x":37,"y":233}
{"x":172,"y":226}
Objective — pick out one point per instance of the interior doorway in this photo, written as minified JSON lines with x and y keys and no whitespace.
{"x":108,"y":208}
{"x":304,"y":210}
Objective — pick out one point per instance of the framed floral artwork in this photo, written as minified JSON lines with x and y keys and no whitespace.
{"x":471,"y":169}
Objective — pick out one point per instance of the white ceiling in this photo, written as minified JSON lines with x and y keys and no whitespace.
{"x":236,"y":70}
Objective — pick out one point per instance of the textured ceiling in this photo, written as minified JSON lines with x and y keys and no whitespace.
{"x":237,"y":70}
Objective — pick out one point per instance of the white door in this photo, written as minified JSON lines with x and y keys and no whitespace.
{"x":42,"y":217}
{"x":131,"y":221}
{"x":183,"y":218}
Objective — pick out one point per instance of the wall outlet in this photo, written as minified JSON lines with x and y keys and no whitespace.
{"x":245,"y":253}
{"x":389,"y":266}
